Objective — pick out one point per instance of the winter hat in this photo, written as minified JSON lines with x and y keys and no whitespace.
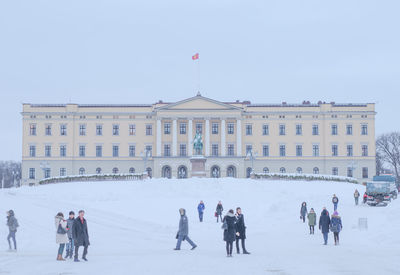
{"x":71,"y":213}
{"x":335,"y":213}
{"x":182,"y":211}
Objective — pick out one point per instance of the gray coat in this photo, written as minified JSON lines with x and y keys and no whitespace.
{"x":12,"y":223}
{"x":183,"y":225}
{"x":70,"y":223}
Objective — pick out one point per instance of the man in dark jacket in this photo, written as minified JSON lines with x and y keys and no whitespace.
{"x":240,"y":231}
{"x":70,"y":244}
{"x":183,"y":232}
{"x":12,"y":224}
{"x":218,"y":210}
{"x":324,"y":222}
{"x":80,"y":235}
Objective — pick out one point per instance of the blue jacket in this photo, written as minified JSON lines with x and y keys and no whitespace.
{"x":324,"y":222}
{"x":201,"y":207}
{"x":336,"y":224}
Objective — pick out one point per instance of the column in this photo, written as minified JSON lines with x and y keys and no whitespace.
{"x":174,"y":138}
{"x":239,"y":137}
{"x":207,"y":134}
{"x":190,"y":138}
{"x":223,"y":138}
{"x":158,"y":143}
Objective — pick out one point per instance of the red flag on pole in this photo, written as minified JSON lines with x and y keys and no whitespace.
{"x":195,"y":57}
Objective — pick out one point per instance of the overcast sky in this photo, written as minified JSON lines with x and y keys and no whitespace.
{"x":115,"y":51}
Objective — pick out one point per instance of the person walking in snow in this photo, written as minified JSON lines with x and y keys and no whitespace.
{"x":324,"y":222}
{"x":61,"y":234}
{"x":303,"y":211}
{"x":356,"y":196}
{"x":365,"y":197}
{"x":335,"y":202}
{"x":229,"y":231}
{"x":12,"y":224}
{"x":80,"y":235}
{"x":70,"y":244}
{"x":218,"y":210}
{"x":200,"y":209}
{"x":183,"y":232}
{"x":336,"y":226}
{"x":240,"y":231}
{"x":312,"y":220}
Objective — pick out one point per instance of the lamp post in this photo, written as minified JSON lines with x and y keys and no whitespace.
{"x":252,"y":156}
{"x":145,"y":155}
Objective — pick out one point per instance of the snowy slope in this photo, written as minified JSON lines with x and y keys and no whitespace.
{"x":132,"y":227}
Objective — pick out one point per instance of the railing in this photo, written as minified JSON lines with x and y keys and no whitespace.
{"x":95,"y":177}
{"x":306,"y":177}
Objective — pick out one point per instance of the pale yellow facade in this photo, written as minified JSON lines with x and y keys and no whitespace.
{"x":324,"y":138}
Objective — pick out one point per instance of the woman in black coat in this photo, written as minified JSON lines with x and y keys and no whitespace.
{"x":229,"y":231}
{"x":240,"y":231}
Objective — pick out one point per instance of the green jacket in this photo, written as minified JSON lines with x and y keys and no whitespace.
{"x":312,"y":218}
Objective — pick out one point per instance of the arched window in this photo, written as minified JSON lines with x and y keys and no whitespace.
{"x":282,"y":170}
{"x":132,"y":170}
{"x":231,"y":171}
{"x":182,"y":172}
{"x":166,"y":172}
{"x":81,"y":171}
{"x":215,"y":171}
{"x":265,"y":170}
{"x":248,"y":172}
{"x":98,"y":170}
{"x":115,"y":170}
{"x":316,"y":170}
{"x":299,"y":170}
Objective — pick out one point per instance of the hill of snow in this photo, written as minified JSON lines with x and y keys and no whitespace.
{"x":132,"y":227}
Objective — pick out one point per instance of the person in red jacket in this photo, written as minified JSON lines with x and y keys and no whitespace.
{"x":365,"y":197}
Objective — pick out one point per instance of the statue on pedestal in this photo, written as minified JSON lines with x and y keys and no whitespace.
{"x":198,"y":144}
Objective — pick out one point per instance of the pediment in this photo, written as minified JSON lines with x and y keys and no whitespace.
{"x":199,"y":103}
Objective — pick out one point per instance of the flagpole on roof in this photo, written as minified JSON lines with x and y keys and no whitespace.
{"x":196,"y":59}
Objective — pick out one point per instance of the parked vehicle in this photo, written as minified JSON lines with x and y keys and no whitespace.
{"x":393,"y":186}
{"x":380,"y":193}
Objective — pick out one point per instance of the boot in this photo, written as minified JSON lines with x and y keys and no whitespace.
{"x":67,"y":254}
{"x":60,"y":258}
{"x":244,"y":247}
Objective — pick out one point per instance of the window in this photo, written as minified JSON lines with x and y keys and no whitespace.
{"x":82,"y":130}
{"x":231,"y":150}
{"x":299,"y":170}
{"x":265,"y":150}
{"x":149,"y":150}
{"x":282,"y":170}
{"x":214,"y":150}
{"x":115,"y":130}
{"x":167,"y":150}
{"x":365,"y":172}
{"x":98,"y":170}
{"x":81,"y":171}
{"x":249,"y":129}
{"x":132,"y":129}
{"x":132,"y":150}
{"x":334,"y":130}
{"x":182,"y":150}
{"x":335,"y":152}
{"x":282,"y":129}
{"x":265,"y":170}
{"x":299,"y":129}
{"x":47,"y":173}
{"x":47,"y":151}
{"x":32,"y":151}
{"x":265,"y":129}
{"x":99,"y":151}
{"x":182,"y":128}
{"x":32,"y":173}
{"x":350,"y":172}
{"x":63,"y":129}
{"x":349,"y":129}
{"x":99,"y":130}
{"x":63,"y":150}
{"x":32,"y":129}
{"x":115,"y":170}
{"x":282,"y":150}
{"x":364,"y":150}
{"x":249,"y":149}
{"x":149,"y":130}
{"x":299,"y":150}
{"x":214,"y":128}
{"x":231,"y":128}
{"x":335,"y":171}
{"x":315,"y":170}
{"x":231,"y":171}
{"x":315,"y":130}
{"x":115,"y":150}
{"x":63,"y":172}
{"x":132,"y":170}
{"x":167,"y":128}
{"x":82,"y":150}
{"x":364,"y":129}
{"x":349,"y":150}
{"x":48,"y":130}
{"x":315,"y":150}
{"x":199,"y":128}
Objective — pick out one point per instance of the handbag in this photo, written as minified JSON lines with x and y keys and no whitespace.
{"x":224,"y":226}
{"x":216,"y":214}
{"x":61,"y":230}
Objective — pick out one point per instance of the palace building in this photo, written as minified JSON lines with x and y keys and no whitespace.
{"x":239,"y":136}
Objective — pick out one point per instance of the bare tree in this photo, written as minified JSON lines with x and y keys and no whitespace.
{"x":10,"y":173}
{"x":388,"y":147}
{"x":379,"y":164}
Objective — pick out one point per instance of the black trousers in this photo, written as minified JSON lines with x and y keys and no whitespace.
{"x":336,"y":237}
{"x":243,"y":245}
{"x":229,"y":248}
{"x":311,"y":229}
{"x":85,"y":250}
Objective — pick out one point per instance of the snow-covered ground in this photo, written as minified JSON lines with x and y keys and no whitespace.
{"x":132,"y":227}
